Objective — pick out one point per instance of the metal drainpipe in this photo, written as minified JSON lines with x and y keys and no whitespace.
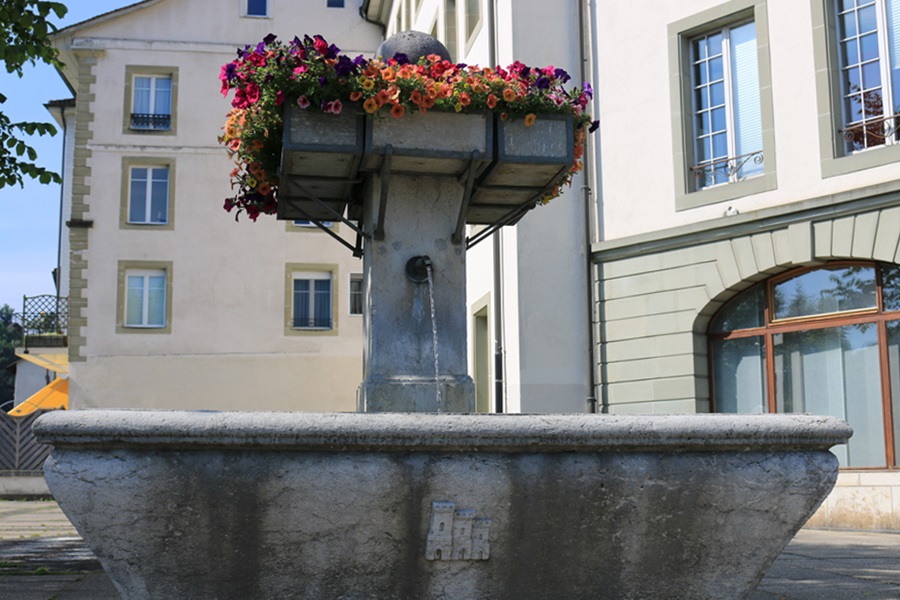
{"x":364,"y":15}
{"x":62,"y":196}
{"x":499,"y":339}
{"x":585,"y":14}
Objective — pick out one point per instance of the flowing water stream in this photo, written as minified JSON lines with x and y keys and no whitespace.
{"x":434,"y":336}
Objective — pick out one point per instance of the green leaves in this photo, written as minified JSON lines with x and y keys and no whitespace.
{"x":25,"y":26}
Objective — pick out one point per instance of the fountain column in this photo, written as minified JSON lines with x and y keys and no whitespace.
{"x":400,"y":371}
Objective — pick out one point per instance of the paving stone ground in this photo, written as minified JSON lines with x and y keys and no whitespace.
{"x":43,"y":558}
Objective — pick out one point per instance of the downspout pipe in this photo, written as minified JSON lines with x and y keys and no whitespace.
{"x":586,"y":48}
{"x":364,"y":15}
{"x":499,"y":325}
{"x":62,"y":197}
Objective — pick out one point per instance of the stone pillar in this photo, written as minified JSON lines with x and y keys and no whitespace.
{"x":421,"y":213}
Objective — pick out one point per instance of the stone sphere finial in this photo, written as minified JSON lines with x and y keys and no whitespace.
{"x":414,"y":44}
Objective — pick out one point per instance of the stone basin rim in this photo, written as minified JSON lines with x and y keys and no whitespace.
{"x":419,"y":432}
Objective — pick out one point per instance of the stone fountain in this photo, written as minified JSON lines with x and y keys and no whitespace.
{"x":417,"y":499}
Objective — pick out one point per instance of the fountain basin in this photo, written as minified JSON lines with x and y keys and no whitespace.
{"x":300,"y":505}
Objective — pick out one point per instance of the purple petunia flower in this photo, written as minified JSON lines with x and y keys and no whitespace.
{"x":594,"y":126}
{"x":323,"y":81}
{"x":269,"y":39}
{"x":230,"y":71}
{"x":542,"y":83}
{"x":401,"y":58}
{"x":344,"y":67}
{"x":561,"y":75}
{"x":588,"y":90}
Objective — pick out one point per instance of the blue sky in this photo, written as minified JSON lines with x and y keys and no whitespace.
{"x":29,"y":216}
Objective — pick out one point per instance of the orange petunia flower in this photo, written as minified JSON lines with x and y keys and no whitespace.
{"x":370,"y":105}
{"x":491,"y":101}
{"x":464,"y":99}
{"x":530,"y":118}
{"x":398,"y":111}
{"x":509,"y":95}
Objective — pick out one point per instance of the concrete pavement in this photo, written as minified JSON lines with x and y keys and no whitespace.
{"x":43,"y":558}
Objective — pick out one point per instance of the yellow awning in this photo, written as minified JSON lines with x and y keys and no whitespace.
{"x":58,"y":363}
{"x":52,"y":396}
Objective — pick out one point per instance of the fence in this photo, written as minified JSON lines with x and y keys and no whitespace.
{"x":20,"y":452}
{"x":45,"y":321}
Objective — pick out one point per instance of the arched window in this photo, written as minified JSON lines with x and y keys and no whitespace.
{"x":823,"y":340}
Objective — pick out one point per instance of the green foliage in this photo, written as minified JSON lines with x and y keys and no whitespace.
{"x":26,"y":29}
{"x":9,"y":337}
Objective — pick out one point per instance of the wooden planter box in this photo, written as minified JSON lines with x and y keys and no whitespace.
{"x":320,"y":157}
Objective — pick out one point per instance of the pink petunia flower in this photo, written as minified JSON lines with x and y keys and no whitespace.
{"x":303,"y":102}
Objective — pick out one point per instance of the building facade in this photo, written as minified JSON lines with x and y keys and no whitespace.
{"x":529,"y":323}
{"x":750,"y":222}
{"x":172,"y":303}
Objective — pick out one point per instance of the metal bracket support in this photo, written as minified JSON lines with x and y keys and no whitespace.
{"x":385,"y":187}
{"x":467,"y":197}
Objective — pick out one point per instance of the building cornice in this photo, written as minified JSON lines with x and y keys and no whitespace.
{"x":851,"y":202}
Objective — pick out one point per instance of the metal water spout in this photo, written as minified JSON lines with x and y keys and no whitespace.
{"x":417,"y":269}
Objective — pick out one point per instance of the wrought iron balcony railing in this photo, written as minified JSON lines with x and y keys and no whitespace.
{"x":872,"y":132}
{"x":148,"y":121}
{"x":312,"y":323}
{"x":45,"y":322}
{"x":727,"y":170}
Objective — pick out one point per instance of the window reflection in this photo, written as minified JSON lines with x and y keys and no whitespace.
{"x":825,"y":291}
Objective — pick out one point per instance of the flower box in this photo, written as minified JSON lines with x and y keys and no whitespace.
{"x":320,"y":157}
{"x":530,"y":161}
{"x":435,"y":143}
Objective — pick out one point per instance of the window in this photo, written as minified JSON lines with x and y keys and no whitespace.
{"x":726,"y":114}
{"x":335,"y":4}
{"x":356,"y":294}
{"x":312,"y":301}
{"x":148,"y":197}
{"x":867,"y":41}
{"x":823,"y":341}
{"x":307,"y":223}
{"x":148,"y":190}
{"x":150,"y":99}
{"x":144,"y":297}
{"x":151,"y":102}
{"x":724,"y":123}
{"x":257,"y":8}
{"x":473,"y":20}
{"x":450,"y":40}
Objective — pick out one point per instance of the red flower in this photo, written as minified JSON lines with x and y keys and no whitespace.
{"x":252,"y":92}
{"x":398,"y":110}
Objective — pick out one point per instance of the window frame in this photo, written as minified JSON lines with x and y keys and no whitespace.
{"x":133,"y":267}
{"x":305,"y":226}
{"x":355,"y":278}
{"x":155,"y":72}
{"x":129,"y":163}
{"x":264,"y":15}
{"x":833,"y":158}
{"x":771,"y":327}
{"x":313,"y":271}
{"x":681,"y":33}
